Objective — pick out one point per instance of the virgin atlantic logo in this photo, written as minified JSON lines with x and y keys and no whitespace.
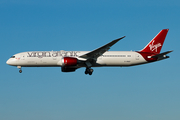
{"x":154,"y":47}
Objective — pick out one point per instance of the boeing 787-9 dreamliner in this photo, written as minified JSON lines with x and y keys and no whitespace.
{"x":69,"y":61}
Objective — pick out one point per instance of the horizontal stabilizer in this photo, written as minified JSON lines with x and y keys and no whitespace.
{"x":162,"y":55}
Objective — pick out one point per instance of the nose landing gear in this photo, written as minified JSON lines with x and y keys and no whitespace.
{"x":20,"y":70}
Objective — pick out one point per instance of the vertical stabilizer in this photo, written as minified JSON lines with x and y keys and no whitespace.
{"x":155,"y":45}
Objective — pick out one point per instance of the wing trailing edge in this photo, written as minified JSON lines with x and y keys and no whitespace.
{"x":99,"y":51}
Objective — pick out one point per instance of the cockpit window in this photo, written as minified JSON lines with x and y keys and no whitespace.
{"x":12,"y":56}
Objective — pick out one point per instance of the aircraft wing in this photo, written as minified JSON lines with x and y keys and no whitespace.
{"x":99,"y":51}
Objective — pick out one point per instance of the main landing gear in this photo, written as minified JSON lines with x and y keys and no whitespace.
{"x":89,"y":71}
{"x":20,"y":70}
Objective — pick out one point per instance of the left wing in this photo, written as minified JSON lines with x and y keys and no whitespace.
{"x":99,"y":51}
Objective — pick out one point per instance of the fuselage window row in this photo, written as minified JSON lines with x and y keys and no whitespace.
{"x":116,"y":55}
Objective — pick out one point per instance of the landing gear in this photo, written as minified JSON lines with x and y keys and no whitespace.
{"x":89,"y":71}
{"x":20,"y":70}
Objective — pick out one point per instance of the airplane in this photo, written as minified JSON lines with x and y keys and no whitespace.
{"x":70,"y":61}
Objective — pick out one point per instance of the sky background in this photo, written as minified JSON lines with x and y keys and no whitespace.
{"x":145,"y":92}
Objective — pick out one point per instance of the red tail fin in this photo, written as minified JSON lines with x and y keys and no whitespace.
{"x":155,"y":45}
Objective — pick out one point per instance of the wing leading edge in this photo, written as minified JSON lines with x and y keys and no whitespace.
{"x":99,"y":51}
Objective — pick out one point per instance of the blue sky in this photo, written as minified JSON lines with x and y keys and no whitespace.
{"x":142,"y":92}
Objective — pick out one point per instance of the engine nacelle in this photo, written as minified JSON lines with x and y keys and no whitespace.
{"x":67,"y":69}
{"x":69,"y":61}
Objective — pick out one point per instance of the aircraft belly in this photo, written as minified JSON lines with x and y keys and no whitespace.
{"x":39,"y":62}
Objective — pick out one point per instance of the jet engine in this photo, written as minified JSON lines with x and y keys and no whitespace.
{"x":69,"y":61}
{"x":67,"y":69}
{"x":68,"y":64}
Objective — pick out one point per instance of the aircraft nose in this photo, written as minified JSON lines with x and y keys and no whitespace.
{"x":7,"y":62}
{"x":10,"y":62}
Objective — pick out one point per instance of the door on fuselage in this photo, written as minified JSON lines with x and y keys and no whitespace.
{"x":22,"y":57}
{"x":137,"y":56}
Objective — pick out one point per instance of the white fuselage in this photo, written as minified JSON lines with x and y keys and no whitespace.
{"x":54,"y":58}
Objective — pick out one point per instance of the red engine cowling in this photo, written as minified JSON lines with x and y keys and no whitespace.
{"x":69,"y":61}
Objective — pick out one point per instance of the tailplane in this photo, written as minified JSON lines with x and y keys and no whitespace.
{"x":155,"y":45}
